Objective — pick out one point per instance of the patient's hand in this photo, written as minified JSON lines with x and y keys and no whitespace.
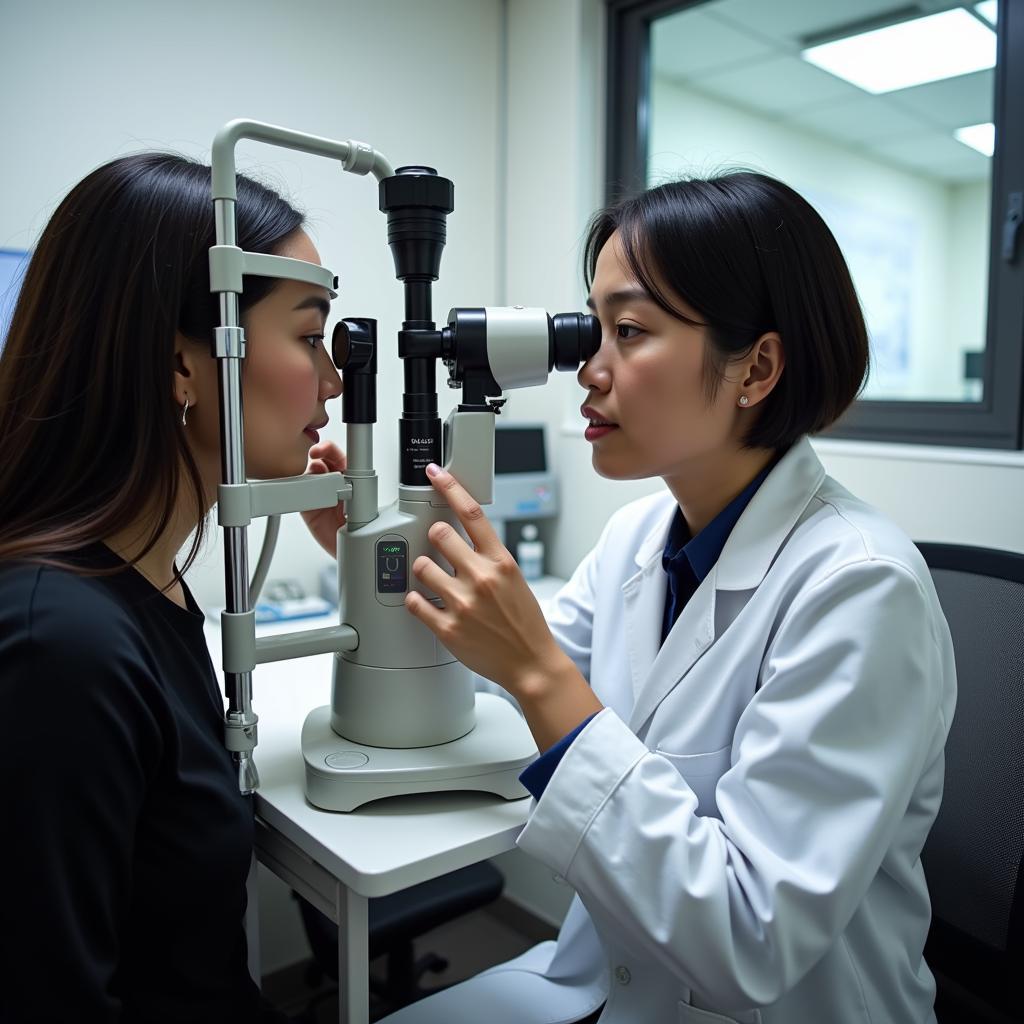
{"x":324,"y":523}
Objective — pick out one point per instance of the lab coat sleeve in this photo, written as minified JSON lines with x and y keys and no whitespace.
{"x":824,"y":760}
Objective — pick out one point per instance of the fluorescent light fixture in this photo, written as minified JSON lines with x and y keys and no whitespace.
{"x":988,"y":10}
{"x":911,"y":53}
{"x":981,"y":137}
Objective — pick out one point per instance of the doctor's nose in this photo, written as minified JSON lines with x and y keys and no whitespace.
{"x":594,"y":374}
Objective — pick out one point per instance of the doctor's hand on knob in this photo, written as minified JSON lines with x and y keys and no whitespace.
{"x":492,"y":622}
{"x":324,"y":523}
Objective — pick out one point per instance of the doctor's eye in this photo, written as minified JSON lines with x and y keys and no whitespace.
{"x":312,"y":339}
{"x":622,"y":329}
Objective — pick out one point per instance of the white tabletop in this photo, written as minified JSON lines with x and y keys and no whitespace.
{"x":381,"y":847}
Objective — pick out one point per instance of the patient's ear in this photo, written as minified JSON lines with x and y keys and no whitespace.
{"x":193,"y":369}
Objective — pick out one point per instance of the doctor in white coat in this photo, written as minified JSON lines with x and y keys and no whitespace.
{"x":743,"y":693}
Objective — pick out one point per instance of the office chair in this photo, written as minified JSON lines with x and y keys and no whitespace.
{"x":394,"y":922}
{"x":973,"y":857}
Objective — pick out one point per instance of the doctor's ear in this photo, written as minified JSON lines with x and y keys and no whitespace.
{"x":760,"y":369}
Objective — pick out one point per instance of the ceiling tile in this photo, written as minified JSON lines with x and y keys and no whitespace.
{"x":777,"y":85}
{"x":935,"y":155}
{"x":952,"y":102}
{"x":691,"y":42}
{"x":859,"y":120}
{"x":787,"y":20}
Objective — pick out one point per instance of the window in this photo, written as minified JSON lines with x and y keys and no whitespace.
{"x":904,"y":125}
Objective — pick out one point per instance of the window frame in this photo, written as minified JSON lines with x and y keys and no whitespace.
{"x":997,"y":421}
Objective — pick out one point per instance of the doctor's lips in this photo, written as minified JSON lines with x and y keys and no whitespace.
{"x":313,"y":431}
{"x":599,"y":426}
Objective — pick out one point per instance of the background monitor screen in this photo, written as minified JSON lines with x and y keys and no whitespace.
{"x":13,"y":263}
{"x":519,"y":450}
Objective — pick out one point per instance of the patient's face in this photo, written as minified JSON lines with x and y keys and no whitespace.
{"x":287,"y":374}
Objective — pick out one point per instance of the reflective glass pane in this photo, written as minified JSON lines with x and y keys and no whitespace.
{"x":875,"y":143}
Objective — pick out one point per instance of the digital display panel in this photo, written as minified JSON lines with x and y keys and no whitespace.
{"x":519,"y":450}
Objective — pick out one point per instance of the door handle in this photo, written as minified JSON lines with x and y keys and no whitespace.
{"x":1011,"y":226}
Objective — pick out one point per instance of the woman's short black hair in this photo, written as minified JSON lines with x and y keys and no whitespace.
{"x":750,"y":255}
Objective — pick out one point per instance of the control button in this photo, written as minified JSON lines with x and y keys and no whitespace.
{"x":622,"y":975}
{"x":346,"y":759}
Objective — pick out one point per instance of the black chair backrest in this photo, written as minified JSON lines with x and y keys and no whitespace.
{"x":974,"y":856}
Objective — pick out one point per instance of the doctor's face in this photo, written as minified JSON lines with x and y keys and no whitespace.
{"x":646,"y":398}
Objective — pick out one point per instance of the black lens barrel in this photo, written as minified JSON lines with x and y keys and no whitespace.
{"x":572,"y":339}
{"x":417,"y":202}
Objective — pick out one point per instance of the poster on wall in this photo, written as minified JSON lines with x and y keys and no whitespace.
{"x":879,"y":249}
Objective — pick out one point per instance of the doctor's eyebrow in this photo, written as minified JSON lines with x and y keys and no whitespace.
{"x":621,"y":296}
{"x":315,"y":302}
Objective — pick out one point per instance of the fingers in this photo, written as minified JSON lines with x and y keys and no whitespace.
{"x":430,"y":615}
{"x":328,"y":455}
{"x":450,"y":546}
{"x":431,"y":575}
{"x":468,"y":509}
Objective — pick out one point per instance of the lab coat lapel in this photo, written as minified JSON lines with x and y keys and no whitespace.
{"x":643,"y":598}
{"x":692,"y":634}
{"x":745,"y":560}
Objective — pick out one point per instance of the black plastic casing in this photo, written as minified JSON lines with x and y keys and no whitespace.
{"x":358,"y":365}
{"x":417,"y":202}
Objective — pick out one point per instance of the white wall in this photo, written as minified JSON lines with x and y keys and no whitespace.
{"x":970,"y":212}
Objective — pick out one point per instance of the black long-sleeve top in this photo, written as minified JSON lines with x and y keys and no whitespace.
{"x":126,"y":843}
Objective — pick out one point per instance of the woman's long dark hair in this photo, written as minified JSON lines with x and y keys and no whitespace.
{"x":90,"y":432}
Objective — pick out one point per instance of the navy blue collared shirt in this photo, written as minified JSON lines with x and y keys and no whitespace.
{"x":687,"y":561}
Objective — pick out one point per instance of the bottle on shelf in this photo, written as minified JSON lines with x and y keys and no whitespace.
{"x":530,"y":553}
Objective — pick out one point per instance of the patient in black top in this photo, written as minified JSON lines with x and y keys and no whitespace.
{"x":127,"y":843}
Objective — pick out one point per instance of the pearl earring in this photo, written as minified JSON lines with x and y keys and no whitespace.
{"x":744,"y":401}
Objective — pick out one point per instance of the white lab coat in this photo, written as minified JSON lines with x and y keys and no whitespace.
{"x":742,"y":824}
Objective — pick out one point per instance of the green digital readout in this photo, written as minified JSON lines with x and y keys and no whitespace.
{"x":392,"y":559}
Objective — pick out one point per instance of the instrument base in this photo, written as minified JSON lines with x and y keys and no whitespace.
{"x":341,"y":775}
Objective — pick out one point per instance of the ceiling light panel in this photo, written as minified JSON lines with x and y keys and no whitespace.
{"x":911,"y":53}
{"x":981,"y":137}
